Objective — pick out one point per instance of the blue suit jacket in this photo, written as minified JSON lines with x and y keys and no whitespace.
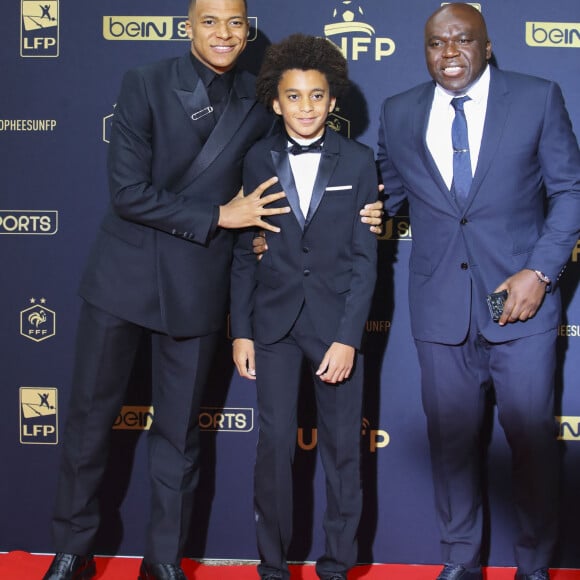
{"x":159,"y":260}
{"x":523,"y":210}
{"x":326,"y":258}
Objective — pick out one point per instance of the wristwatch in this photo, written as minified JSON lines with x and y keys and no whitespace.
{"x":542,"y":278}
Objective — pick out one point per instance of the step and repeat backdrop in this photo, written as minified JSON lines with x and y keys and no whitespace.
{"x":62,"y":62}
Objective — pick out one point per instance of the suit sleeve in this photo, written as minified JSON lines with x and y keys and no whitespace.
{"x":364,"y":261}
{"x":394,"y":192}
{"x":130,"y":170}
{"x":243,"y":272}
{"x":560,"y":162}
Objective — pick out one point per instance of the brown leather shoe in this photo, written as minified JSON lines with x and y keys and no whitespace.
{"x":71,"y":567}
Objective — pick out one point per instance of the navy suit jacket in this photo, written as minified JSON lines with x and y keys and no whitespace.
{"x":523,"y":210}
{"x":159,"y":260}
{"x":326,"y":258}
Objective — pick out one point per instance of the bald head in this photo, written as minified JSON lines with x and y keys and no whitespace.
{"x":457,"y":47}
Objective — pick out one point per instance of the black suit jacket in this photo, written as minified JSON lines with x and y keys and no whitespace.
{"x":326,"y":258}
{"x":159,"y":260}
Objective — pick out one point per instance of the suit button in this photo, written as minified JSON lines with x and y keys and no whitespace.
{"x":306,"y":249}
{"x":307,"y":272}
{"x":463,"y":221}
{"x":464,"y":265}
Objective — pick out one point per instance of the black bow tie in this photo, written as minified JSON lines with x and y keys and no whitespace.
{"x":296,"y":149}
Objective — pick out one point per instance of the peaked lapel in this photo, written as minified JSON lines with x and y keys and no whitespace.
{"x":328,"y":161}
{"x":240,"y":102}
{"x":193,"y":97}
{"x":281,"y":161}
{"x":495,"y":119}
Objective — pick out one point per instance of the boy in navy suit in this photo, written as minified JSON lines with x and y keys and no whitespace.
{"x":307,"y":298}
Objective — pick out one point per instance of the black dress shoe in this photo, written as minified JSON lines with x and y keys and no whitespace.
{"x":157,"y":571}
{"x":541,"y":574}
{"x":71,"y":567}
{"x":457,"y":572}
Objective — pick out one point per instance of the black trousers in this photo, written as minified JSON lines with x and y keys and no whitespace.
{"x":106,"y":350}
{"x":339,"y":411}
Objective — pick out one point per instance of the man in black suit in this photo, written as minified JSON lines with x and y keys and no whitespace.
{"x":160,"y":266}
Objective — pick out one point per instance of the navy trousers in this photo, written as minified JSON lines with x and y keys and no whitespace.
{"x":454,"y":380}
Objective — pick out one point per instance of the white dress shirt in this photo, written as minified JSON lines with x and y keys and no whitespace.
{"x":304,"y":169}
{"x":441,"y":116}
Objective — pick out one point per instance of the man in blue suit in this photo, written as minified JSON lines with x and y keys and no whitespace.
{"x":160,"y":267}
{"x":493,"y":187}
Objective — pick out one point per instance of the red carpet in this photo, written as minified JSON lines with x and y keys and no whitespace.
{"x":24,"y":566}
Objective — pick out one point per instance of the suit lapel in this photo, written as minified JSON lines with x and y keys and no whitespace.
{"x":495,"y":119}
{"x":240,"y":102}
{"x":281,"y":163}
{"x":328,"y":161}
{"x":421,"y":121}
{"x":193,"y":97}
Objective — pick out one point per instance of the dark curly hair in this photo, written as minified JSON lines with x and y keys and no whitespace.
{"x":302,"y":52}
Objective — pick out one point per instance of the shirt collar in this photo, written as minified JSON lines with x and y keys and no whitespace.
{"x":477,"y":92}
{"x":207,"y":75}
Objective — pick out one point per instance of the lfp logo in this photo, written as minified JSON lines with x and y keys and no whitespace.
{"x":38,"y":415}
{"x":39,"y":29}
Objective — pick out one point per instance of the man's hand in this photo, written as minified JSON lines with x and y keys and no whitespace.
{"x":243,"y":354}
{"x":372,"y":213}
{"x":245,"y":211}
{"x":525,"y":296}
{"x":337,"y":363}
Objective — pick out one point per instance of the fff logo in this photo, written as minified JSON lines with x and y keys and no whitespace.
{"x":38,"y":322}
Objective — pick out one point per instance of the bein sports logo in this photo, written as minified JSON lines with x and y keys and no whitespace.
{"x":39,"y":28}
{"x":38,"y":416}
{"x":37,"y":322}
{"x":233,"y":420}
{"x":569,"y":428}
{"x":353,"y":35}
{"x":155,"y":28}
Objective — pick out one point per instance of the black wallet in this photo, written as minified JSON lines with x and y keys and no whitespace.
{"x":495,"y":302}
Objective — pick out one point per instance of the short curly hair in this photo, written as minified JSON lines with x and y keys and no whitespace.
{"x":302,"y":52}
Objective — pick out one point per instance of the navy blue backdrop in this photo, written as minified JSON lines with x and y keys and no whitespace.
{"x":61,"y":63}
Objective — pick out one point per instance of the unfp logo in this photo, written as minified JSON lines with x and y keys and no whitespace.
{"x":38,"y":415}
{"x":39,"y":28}
{"x":38,"y":322}
{"x":375,"y":438}
{"x":353,"y":35}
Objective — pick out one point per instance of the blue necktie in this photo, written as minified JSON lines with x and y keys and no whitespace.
{"x":461,"y":160}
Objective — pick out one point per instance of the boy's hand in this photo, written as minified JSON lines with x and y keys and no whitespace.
{"x":243,"y":354}
{"x":245,"y":211}
{"x":337,"y":363}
